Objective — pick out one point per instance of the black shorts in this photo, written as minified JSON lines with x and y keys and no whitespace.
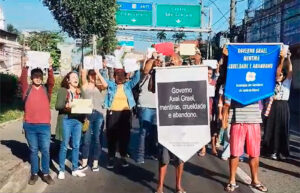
{"x":165,"y":156}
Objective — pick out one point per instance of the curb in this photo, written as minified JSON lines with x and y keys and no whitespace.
{"x":9,"y":122}
{"x":17,"y":180}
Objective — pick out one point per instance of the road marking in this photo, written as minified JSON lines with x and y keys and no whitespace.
{"x":244,"y":176}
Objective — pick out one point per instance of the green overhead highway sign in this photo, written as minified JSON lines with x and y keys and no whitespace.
{"x":178,"y":16}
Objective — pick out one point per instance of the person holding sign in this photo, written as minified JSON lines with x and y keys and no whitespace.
{"x":164,"y":155}
{"x":119,"y":102}
{"x":37,"y":118}
{"x":276,"y":137}
{"x":244,"y":129}
{"x":147,"y":146}
{"x":71,"y":123}
{"x":92,"y":90}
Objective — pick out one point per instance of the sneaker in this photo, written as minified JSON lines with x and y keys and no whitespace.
{"x":48,"y":179}
{"x":140,"y":162}
{"x":83,"y":168}
{"x":61,"y":175}
{"x":110,"y":164}
{"x":224,"y":158}
{"x":274,"y":156}
{"x":33,"y":178}
{"x":124,"y":163}
{"x":78,"y":173}
{"x":95,"y":169}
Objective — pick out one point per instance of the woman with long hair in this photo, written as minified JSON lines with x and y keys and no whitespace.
{"x":92,"y":90}
{"x":71,"y":123}
{"x":276,"y":138}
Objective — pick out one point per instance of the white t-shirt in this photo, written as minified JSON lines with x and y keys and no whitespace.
{"x":282,"y":90}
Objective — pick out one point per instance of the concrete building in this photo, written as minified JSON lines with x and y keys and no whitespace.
{"x":279,"y":21}
{"x":10,"y":50}
{"x":10,"y":53}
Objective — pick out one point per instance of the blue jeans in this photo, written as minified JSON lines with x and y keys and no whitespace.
{"x":96,"y":121}
{"x":148,"y":133}
{"x":71,"y":128}
{"x":38,"y":138}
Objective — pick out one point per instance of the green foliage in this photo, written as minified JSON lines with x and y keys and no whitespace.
{"x":10,"y":103}
{"x":8,"y":87}
{"x":47,"y":42}
{"x":82,"y":18}
{"x":10,"y":28}
{"x":108,"y":43}
{"x":56,"y":87}
{"x":161,"y":36}
{"x":179,"y":36}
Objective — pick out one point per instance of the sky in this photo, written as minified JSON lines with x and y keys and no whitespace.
{"x":32,"y":15}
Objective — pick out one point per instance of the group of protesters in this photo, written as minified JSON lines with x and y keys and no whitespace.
{"x":125,"y":94}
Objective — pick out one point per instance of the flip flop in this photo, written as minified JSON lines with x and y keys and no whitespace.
{"x":231,"y":187}
{"x":259,"y":187}
{"x":201,"y":154}
{"x":180,"y":191}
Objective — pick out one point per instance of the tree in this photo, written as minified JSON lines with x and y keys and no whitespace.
{"x":179,"y":36}
{"x":47,"y":42}
{"x":10,"y":28}
{"x":108,"y":43}
{"x":161,"y":36}
{"x":84,"y":18}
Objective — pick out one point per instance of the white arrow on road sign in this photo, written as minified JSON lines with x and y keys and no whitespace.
{"x":178,"y":21}
{"x":133,"y":20}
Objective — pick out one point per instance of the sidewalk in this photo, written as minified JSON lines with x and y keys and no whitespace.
{"x":14,"y":157}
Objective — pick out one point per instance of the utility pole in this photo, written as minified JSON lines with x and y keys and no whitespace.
{"x":232,"y":19}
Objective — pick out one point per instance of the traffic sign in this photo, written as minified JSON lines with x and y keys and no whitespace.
{"x":135,"y":6}
{"x":178,"y":16}
{"x":134,"y":14}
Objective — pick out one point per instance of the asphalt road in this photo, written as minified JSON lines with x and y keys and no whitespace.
{"x":207,"y":174}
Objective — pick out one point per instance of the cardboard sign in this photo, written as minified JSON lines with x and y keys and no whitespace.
{"x":131,"y":65}
{"x":187,"y":49}
{"x":110,"y":61}
{"x":212,"y":63}
{"x":166,"y":48}
{"x":82,"y":106}
{"x":92,"y":62}
{"x":38,"y":59}
{"x":251,"y":71}
{"x":182,"y":109}
{"x":150,"y":51}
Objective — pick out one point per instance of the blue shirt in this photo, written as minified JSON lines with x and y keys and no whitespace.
{"x":128,"y":86}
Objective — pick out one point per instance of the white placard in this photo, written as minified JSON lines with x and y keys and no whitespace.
{"x":131,"y":65}
{"x":150,"y":51}
{"x":92,"y":62}
{"x":211,"y":90}
{"x":285,"y":49}
{"x":82,"y":106}
{"x":182,"y":106}
{"x":212,"y":63}
{"x":187,"y":49}
{"x":38,"y":59}
{"x":119,"y":53}
{"x":110,"y":61}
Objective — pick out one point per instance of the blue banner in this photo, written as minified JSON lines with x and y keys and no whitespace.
{"x":251,"y":72}
{"x":135,"y":6}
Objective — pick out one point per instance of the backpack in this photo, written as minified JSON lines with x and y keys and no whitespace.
{"x":136,"y":92}
{"x":29,"y":91}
